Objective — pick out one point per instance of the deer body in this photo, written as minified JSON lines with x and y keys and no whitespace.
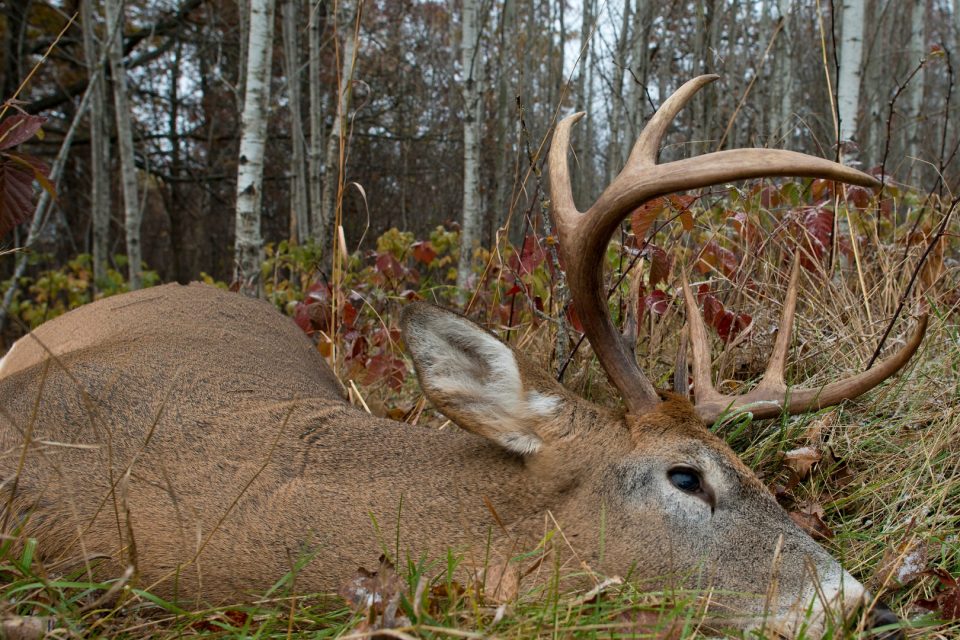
{"x":200,"y":437}
{"x":245,"y":409}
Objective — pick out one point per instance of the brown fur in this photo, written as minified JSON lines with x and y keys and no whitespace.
{"x":203,"y":430}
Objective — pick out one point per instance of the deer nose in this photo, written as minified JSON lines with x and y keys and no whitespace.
{"x":879,"y":617}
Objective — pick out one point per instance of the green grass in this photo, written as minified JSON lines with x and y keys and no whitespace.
{"x":888,"y":485}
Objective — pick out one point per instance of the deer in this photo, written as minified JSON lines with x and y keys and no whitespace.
{"x":198,"y":439}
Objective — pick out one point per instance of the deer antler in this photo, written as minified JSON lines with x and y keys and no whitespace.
{"x":770,"y":398}
{"x":584,"y":236}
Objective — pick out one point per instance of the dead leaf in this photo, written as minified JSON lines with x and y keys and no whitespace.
{"x":801,"y":460}
{"x":947,"y":602}
{"x":901,"y":564}
{"x":810,"y":519}
{"x":377,"y":595}
{"x":501,"y":583}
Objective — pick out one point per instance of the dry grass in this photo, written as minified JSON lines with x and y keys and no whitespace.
{"x":887,"y":485}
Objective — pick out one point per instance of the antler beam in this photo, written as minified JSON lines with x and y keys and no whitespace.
{"x":584,"y":236}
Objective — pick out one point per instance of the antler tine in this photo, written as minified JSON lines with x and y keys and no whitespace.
{"x":647,"y":146}
{"x":700,"y":346}
{"x":773,"y":376}
{"x":769,"y":401}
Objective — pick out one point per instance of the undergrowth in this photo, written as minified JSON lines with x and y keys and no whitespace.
{"x":877,"y":481}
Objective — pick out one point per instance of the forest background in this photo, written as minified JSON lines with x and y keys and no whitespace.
{"x":341,"y":158}
{"x":424,"y":114}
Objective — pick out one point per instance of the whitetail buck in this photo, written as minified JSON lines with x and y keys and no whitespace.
{"x":200,"y":437}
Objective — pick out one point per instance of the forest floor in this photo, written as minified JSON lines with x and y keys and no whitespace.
{"x":876,"y":481}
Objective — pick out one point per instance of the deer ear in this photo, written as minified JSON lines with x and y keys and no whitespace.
{"x":477,"y":381}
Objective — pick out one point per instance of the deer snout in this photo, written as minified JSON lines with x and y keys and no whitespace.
{"x":880,"y":619}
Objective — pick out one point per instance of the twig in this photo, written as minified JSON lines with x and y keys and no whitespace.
{"x":913,"y":278}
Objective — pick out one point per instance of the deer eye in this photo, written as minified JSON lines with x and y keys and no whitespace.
{"x":685,"y":479}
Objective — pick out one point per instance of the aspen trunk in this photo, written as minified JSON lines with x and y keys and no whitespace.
{"x":848,"y":84}
{"x":784,"y":70}
{"x":315,"y":150}
{"x":132,"y":214}
{"x":248,"y":246}
{"x":918,"y":29}
{"x":299,"y":207}
{"x":99,"y":147}
{"x":473,"y":112}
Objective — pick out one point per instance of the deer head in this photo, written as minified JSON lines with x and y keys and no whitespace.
{"x":675,"y":500}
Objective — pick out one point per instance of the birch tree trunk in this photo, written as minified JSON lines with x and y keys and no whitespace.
{"x":848,"y":84}
{"x":299,"y":207}
{"x":506,"y":134}
{"x":248,"y":246}
{"x":132,"y":214}
{"x":314,"y":166}
{"x":783,"y":65}
{"x":472,"y":107}
{"x":618,"y":149}
{"x":584,"y":93}
{"x":918,"y":29}
{"x":337,"y":142}
{"x":99,"y":146}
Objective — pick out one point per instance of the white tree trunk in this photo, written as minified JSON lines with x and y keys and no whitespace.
{"x":851,"y":65}
{"x":918,"y":34}
{"x":473,"y":117}
{"x":132,"y":215}
{"x":784,"y":72}
{"x":99,"y":146}
{"x":248,"y":247}
{"x":314,"y":157}
{"x":337,"y":142}
{"x":299,"y":205}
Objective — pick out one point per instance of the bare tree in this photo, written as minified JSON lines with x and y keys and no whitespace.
{"x":248,"y":246}
{"x":472,"y":123}
{"x":299,"y":203}
{"x":99,"y":146}
{"x":918,"y":33}
{"x":132,"y":215}
{"x":317,"y":109}
{"x":848,"y":82}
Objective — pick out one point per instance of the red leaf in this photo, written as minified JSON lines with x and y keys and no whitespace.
{"x":530,"y":257}
{"x":726,"y":323}
{"x":659,"y":264}
{"x":389,"y":266}
{"x":385,"y":367}
{"x":424,"y":252}
{"x":656,"y":302}
{"x":770,"y":197}
{"x":348,"y":316}
{"x":681,"y":205}
{"x":859,"y":196}
{"x":573,"y":318}
{"x":644,"y":216}
{"x":16,"y":195}
{"x":947,"y":602}
{"x":19,"y":128}
{"x":716,"y":257}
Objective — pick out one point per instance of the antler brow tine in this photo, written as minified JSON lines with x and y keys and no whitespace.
{"x":584,"y":236}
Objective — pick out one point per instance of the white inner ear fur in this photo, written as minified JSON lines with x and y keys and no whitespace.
{"x":477,"y":375}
